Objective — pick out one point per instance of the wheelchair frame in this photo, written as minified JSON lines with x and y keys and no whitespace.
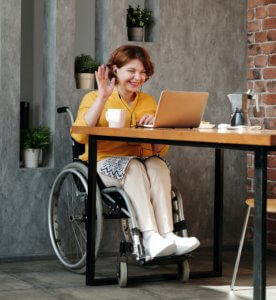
{"x":118,"y":208}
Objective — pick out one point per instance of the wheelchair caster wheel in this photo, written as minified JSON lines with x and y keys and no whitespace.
{"x":183,"y":271}
{"x":122,"y":274}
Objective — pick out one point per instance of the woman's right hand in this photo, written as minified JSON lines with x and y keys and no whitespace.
{"x":105,"y":88}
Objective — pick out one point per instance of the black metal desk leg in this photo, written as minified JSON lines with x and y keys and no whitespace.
{"x":259,"y":276}
{"x":91,"y":212}
{"x":218,"y":212}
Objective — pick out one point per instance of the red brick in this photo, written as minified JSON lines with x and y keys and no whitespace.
{"x":270,"y":123}
{"x":256,"y":122}
{"x":260,"y":61}
{"x":254,"y":50}
{"x":253,"y":74}
{"x":271,"y":11}
{"x":249,"y":160}
{"x":250,"y":14}
{"x":271,"y":86}
{"x":260,"y":86}
{"x":269,"y":23}
{"x":271,"y":174}
{"x":272,"y":60}
{"x":250,"y":62}
{"x":250,"y":172}
{"x":271,"y":188}
{"x":269,"y":73}
{"x":271,"y":35}
{"x":269,"y":1}
{"x":261,"y":12}
{"x":260,"y":37}
{"x":260,"y":113}
{"x":268,"y":48}
{"x":250,"y":38}
{"x":250,"y":85}
{"x":271,"y":111}
{"x":269,"y":99}
{"x":254,"y":3}
{"x":253,"y":26}
{"x":249,"y":194}
{"x":271,"y":161}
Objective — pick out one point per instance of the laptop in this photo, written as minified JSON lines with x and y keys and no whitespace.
{"x":179,"y":109}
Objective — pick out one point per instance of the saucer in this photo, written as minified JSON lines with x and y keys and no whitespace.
{"x":206,"y":126}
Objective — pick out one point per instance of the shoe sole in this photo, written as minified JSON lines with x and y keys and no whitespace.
{"x":166,"y":251}
{"x":188,"y":250}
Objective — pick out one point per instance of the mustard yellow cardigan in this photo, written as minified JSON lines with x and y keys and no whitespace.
{"x":143,"y":104}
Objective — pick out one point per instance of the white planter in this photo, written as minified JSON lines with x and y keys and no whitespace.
{"x":85,"y":81}
{"x":31,"y":157}
{"x":135,"y":34}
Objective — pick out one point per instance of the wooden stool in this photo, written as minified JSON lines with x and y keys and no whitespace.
{"x":271,"y":208}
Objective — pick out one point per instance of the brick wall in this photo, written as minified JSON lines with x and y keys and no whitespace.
{"x":261,"y":77}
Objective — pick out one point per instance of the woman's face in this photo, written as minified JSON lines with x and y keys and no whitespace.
{"x":131,"y":76}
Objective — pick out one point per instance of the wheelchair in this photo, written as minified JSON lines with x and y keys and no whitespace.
{"x":67,"y":220}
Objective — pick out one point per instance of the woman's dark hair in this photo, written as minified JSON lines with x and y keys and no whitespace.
{"x":125,"y":54}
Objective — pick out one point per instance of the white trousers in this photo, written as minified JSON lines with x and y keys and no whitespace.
{"x":148,"y":185}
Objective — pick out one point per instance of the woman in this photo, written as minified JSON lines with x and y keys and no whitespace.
{"x":136,"y":167}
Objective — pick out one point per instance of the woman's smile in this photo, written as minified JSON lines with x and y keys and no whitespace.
{"x":135,"y":84}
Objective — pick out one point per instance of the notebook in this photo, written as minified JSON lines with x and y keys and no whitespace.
{"x":180,"y":109}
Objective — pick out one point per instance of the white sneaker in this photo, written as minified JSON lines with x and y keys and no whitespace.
{"x":155,"y":245}
{"x":183,"y":244}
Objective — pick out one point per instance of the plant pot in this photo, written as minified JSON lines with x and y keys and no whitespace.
{"x":84,"y":81}
{"x":135,"y":34}
{"x":31,"y":157}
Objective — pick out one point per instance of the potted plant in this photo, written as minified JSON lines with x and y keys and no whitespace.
{"x":137,"y":19}
{"x":34,"y":141}
{"x":85,"y":66}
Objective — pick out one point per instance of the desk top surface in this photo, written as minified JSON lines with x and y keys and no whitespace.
{"x":253,"y":138}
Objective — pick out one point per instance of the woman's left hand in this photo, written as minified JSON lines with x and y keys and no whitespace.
{"x":146,"y":119}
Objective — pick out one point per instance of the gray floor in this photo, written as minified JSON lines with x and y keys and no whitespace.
{"x":47,"y":279}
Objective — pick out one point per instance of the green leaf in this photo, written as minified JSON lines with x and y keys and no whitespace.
{"x":138,"y":17}
{"x":85,"y":64}
{"x":36,"y":138}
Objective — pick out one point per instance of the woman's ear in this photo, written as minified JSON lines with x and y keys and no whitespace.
{"x":114,"y":70}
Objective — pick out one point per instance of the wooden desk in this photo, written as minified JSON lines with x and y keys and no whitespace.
{"x":260,"y":142}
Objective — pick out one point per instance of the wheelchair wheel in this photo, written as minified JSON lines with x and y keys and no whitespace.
{"x":122,"y":274}
{"x":183,"y":271}
{"x":67,"y":217}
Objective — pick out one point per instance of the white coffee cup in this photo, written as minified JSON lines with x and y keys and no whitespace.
{"x":116,"y":118}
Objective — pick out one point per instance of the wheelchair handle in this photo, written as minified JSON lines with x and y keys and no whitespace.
{"x":62,"y":109}
{"x":66,"y":109}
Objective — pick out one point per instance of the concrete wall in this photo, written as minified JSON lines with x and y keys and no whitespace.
{"x":24,"y":192}
{"x":85,"y":27}
{"x":31,"y":83}
{"x":201,"y":46}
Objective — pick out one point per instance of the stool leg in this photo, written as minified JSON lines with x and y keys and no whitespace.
{"x":240,"y":248}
